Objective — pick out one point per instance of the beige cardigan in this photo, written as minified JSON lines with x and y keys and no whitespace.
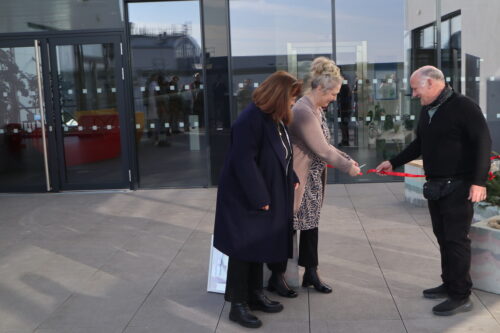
{"x":308,"y":140}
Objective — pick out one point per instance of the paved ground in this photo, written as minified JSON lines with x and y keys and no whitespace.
{"x":137,"y":262}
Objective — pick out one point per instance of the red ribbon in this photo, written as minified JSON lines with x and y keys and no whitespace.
{"x":392,"y":173}
{"x":388,"y":173}
{"x":404,"y":174}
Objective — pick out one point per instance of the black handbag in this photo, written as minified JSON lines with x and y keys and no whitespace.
{"x":435,"y":189}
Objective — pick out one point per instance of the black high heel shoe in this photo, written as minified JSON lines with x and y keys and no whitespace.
{"x":311,"y":278}
{"x":259,"y":302}
{"x":278,"y":284}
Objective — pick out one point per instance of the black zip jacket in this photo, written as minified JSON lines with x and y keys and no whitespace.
{"x":456,"y":143}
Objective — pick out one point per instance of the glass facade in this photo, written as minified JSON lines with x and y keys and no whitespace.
{"x":89,"y":116}
{"x":167,"y":78}
{"x":372,"y":121}
{"x":265,"y":37}
{"x":21,"y":149}
{"x":166,"y":57}
{"x":57,"y":15}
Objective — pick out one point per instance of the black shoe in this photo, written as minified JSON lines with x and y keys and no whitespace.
{"x":258,"y":301}
{"x":278,"y":284}
{"x":435,"y":293}
{"x":241,"y":314}
{"x":452,"y":306}
{"x":311,"y":278}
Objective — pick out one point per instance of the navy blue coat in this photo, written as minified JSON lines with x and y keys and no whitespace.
{"x":255,"y":174}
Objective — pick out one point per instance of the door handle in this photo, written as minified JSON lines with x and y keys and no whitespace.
{"x":42,"y":112}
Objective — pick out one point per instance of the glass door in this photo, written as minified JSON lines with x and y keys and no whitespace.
{"x":89,"y":112}
{"x":23,"y":135}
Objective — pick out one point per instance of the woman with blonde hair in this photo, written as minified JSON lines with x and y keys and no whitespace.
{"x":312,"y":152}
{"x":254,"y":212}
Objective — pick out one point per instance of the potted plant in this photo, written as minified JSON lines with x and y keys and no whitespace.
{"x":491,"y":206}
{"x":485,"y":236}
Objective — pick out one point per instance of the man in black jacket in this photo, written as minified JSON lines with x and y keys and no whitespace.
{"x":455,"y":144}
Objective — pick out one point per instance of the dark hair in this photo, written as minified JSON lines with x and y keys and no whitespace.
{"x":274,"y":94}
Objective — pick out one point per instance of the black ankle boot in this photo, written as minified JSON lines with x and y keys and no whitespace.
{"x":311,"y":278}
{"x":278,"y":284}
{"x":258,"y":301}
{"x":241,"y":314}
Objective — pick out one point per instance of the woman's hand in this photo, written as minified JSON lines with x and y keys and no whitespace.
{"x":266,"y":207}
{"x":354,"y":171}
{"x":296,"y":186}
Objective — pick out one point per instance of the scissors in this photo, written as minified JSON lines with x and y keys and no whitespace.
{"x":362,"y":165}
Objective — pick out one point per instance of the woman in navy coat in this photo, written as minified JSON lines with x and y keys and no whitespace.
{"x":254,"y":213}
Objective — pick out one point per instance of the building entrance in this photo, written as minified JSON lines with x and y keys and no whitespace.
{"x":62,"y":114}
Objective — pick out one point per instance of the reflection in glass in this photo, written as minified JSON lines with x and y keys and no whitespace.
{"x":373,"y":114}
{"x":168,"y":93}
{"x":266,"y":37}
{"x":21,"y":150}
{"x":52,"y":15}
{"x":89,"y":116}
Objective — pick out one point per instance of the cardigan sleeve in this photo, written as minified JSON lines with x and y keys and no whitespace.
{"x":307,"y":130}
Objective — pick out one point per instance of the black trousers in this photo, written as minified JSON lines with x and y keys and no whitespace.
{"x":451,"y":220}
{"x":243,"y":278}
{"x":308,"y":252}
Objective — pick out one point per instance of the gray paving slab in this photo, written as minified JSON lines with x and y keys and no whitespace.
{"x":357,"y":326}
{"x":137,"y":262}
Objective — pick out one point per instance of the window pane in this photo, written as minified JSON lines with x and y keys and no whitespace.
{"x":266,"y":36}
{"x":168,"y":93}
{"x":373,"y":121}
{"x":475,"y":40}
{"x":37,"y":15}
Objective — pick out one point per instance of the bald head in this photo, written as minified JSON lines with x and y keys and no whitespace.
{"x":427,"y":83}
{"x":428,"y":72}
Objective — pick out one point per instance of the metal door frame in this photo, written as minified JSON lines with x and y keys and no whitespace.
{"x":119,"y":70}
{"x":47,"y":42}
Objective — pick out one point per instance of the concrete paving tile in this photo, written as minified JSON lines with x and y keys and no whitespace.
{"x":75,"y":329}
{"x":380,"y":211}
{"x":402,"y":222}
{"x":409,"y":265}
{"x":332,"y":202}
{"x":293,"y":318}
{"x":405,"y":241}
{"x":180,"y":313}
{"x":334,"y":236}
{"x":142,"y":270}
{"x":23,"y":310}
{"x":490,"y":300}
{"x":459,"y":323}
{"x":336,"y":190}
{"x":154,"y":245}
{"x":417,"y":307}
{"x":375,"y":201}
{"x":187,"y":273}
{"x":373,"y":189}
{"x":103,"y":301}
{"x":357,"y":326}
{"x":348,"y":302}
{"x":21,"y":258}
{"x":175,"y":326}
{"x":335,"y":270}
